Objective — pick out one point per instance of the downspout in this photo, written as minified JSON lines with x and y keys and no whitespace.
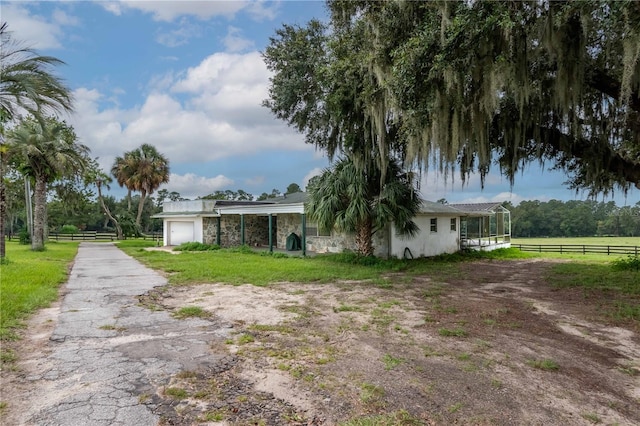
{"x":270,"y":233}
{"x":218,"y":229}
{"x":242,"y":229}
{"x":304,"y":235}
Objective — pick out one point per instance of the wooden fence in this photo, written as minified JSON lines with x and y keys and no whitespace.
{"x":96,"y":236}
{"x":579,"y":248}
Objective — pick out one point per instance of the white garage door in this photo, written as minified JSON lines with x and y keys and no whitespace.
{"x":181,"y":232}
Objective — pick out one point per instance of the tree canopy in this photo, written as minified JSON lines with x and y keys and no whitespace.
{"x":466,"y":86}
{"x":510,"y":82}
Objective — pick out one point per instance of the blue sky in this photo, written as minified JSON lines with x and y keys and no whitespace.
{"x":188,"y":78}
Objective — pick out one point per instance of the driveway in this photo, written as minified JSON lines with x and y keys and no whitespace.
{"x":107,"y":356}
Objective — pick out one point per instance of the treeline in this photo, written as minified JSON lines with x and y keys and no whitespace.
{"x":573,"y":219}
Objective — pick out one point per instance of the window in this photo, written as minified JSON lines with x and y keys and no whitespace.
{"x":312,"y":230}
{"x":434,"y":224}
{"x":453,"y":223}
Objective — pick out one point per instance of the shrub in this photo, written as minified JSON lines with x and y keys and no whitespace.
{"x":69,"y":229}
{"x":24,"y":237}
{"x":195,"y":246}
{"x":630,"y":263}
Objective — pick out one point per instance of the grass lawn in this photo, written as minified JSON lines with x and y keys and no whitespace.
{"x":596,"y":241}
{"x":30,"y":281}
{"x":245,"y":266}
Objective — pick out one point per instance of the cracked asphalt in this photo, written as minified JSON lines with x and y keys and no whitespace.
{"x":110,"y":356}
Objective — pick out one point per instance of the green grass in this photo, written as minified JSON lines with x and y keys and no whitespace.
{"x":30,"y":280}
{"x":600,"y":241}
{"x":242,"y":265}
{"x":398,"y":418}
{"x":544,"y":364}
{"x":190,"y":312}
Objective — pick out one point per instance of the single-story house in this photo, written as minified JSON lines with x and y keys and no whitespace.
{"x":270,"y":224}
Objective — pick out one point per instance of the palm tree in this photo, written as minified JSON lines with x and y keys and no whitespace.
{"x":45,"y":153}
{"x":122,"y":170}
{"x":351,"y":198}
{"x":144,"y":169}
{"x":26,"y":84}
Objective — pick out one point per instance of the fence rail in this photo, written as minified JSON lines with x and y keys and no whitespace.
{"x":579,"y":248}
{"x":97,"y":236}
{"x":83,"y":236}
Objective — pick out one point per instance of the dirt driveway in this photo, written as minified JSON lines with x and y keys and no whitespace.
{"x":493,"y":345}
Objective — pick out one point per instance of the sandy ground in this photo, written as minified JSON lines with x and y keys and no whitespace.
{"x":493,"y":345}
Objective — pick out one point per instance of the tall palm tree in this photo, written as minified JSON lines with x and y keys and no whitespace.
{"x":122,"y":170}
{"x":26,"y":85}
{"x":144,"y":169}
{"x":351,"y":198}
{"x":45,"y":152}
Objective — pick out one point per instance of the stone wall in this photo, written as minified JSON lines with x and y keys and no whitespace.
{"x":256,"y":230}
{"x":257,"y":233}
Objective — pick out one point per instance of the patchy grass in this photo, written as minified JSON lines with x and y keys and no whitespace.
{"x":398,"y":418}
{"x":190,"y":312}
{"x":391,"y":362}
{"x":176,"y":393}
{"x":456,"y":332}
{"x":544,"y":364}
{"x":30,"y":281}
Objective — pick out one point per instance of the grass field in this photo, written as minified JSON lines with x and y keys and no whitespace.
{"x":30,"y":281}
{"x":606,"y":241}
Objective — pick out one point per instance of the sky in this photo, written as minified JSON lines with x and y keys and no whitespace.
{"x":188,"y":77}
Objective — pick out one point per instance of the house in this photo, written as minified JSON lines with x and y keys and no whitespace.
{"x":269,"y":224}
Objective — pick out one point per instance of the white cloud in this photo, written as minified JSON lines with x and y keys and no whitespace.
{"x":191,"y":186}
{"x":33,"y":30}
{"x":234,"y":42}
{"x":213,"y":112}
{"x":180,"y":35}
{"x":312,"y":173}
{"x":170,"y":10}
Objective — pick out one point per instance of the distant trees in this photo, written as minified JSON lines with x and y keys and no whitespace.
{"x":573,"y":219}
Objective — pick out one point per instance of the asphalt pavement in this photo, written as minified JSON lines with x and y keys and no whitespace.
{"x":110,"y":355}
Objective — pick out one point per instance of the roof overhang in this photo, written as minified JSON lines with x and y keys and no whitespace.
{"x":264,"y":210}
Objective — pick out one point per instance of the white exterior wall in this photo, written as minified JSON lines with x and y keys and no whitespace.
{"x":428,"y":243}
{"x":188,"y":206}
{"x":197,"y":228}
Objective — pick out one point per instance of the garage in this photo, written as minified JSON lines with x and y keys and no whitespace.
{"x":180,"y":232}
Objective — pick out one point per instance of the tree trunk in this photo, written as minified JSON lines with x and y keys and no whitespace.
{"x":2,"y":215}
{"x":108,"y":213}
{"x":364,"y":238}
{"x":143,"y":196}
{"x":128,"y":200}
{"x":39,"y":214}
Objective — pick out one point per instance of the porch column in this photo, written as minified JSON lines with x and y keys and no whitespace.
{"x":304,"y":234}
{"x":270,"y":233}
{"x":218,"y":238}
{"x":242,"y":229}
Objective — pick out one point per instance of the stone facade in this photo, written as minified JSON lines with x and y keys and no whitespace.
{"x":257,"y":234}
{"x":256,"y":230}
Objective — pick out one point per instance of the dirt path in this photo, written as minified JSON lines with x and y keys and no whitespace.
{"x":494,"y":345}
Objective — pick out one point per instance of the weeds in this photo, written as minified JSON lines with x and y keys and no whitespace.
{"x":456,"y":332}
{"x":190,"y":312}
{"x":544,"y":364}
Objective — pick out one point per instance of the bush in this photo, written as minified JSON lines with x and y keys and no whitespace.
{"x":631,"y":263}
{"x":195,"y":246}
{"x":69,"y":229}
{"x":24,"y":237}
